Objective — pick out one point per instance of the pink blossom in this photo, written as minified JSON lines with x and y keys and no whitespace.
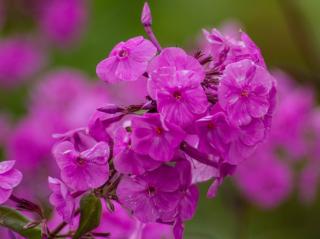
{"x":244,"y":91}
{"x":180,"y":97}
{"x":61,"y":21}
{"x":215,"y":133}
{"x":62,"y":199}
{"x":9,"y":179}
{"x":173,"y":59}
{"x":128,"y":161}
{"x":127,"y":60}
{"x":14,"y":53}
{"x":265,"y":180}
{"x":230,"y":48}
{"x":83,"y":170}
{"x":155,"y":137}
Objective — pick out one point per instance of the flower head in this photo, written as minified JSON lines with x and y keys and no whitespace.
{"x":126,"y":160}
{"x":61,"y":199}
{"x":152,"y":195}
{"x":244,"y":91}
{"x":9,"y":179}
{"x":155,"y":137}
{"x":127,"y":60}
{"x":231,"y":48}
{"x":170,"y":60}
{"x":215,"y":133}
{"x":83,"y":170}
{"x":168,"y":199}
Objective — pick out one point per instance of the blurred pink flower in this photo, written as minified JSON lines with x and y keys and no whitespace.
{"x":264,"y":179}
{"x":63,"y":21}
{"x":63,"y":100}
{"x":20,"y":59}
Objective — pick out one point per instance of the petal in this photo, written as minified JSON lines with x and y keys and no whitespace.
{"x":5,"y":166}
{"x":106,"y":69}
{"x":10,"y":179}
{"x":4,"y":195}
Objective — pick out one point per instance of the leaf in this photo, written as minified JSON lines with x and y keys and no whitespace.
{"x":14,"y":221}
{"x":90,"y":212}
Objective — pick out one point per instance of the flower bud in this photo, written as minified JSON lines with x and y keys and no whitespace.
{"x":146,"y":17}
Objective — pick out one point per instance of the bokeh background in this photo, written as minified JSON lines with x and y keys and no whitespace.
{"x":287,"y":31}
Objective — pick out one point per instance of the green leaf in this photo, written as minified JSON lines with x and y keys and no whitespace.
{"x":13,"y":220}
{"x":90,"y":212}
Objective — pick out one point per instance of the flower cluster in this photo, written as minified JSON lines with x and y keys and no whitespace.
{"x":203,"y":115}
{"x":266,"y":178}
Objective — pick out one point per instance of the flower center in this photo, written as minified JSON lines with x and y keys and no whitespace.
{"x":80,"y":160}
{"x":151,"y":191}
{"x":177,"y":95}
{"x":159,"y":130}
{"x":244,"y":93}
{"x":210,"y":125}
{"x":123,"y":53}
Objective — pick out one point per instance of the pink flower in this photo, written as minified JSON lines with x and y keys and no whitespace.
{"x":244,"y":91}
{"x":180,"y":97}
{"x":152,"y":195}
{"x":230,"y":48}
{"x":264,"y":179}
{"x":170,"y":60}
{"x":14,"y":53}
{"x":128,"y":161}
{"x":155,"y":137}
{"x":9,"y":179}
{"x":215,"y":133}
{"x":164,"y":195}
{"x":61,"y":199}
{"x":63,"y":21}
{"x":246,"y":140}
{"x":83,"y":170}
{"x":127,"y":60}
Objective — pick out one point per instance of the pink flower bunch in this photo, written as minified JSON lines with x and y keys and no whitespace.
{"x":266,"y":178}
{"x":203,"y":115}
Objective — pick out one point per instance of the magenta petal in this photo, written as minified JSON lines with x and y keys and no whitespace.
{"x":189,"y":203}
{"x":106,"y":68}
{"x":5,"y":166}
{"x":10,"y":179}
{"x":4,"y":195}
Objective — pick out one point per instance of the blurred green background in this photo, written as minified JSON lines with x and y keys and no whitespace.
{"x":274,"y":26}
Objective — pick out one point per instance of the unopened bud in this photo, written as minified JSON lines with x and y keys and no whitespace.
{"x":146,"y":18}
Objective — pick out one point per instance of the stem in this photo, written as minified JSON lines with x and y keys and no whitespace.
{"x":152,"y":37}
{"x":197,"y":155}
{"x":61,"y":226}
{"x":26,"y":205}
